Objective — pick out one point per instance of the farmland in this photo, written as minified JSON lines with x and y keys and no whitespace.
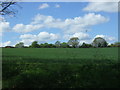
{"x":60,"y":67}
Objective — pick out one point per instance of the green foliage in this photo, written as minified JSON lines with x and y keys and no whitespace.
{"x":46,"y":45}
{"x":64,"y":45}
{"x":74,"y":41}
{"x":34,"y":45}
{"x":99,"y":42}
{"x":20,"y":45}
{"x":84,"y":45}
{"x":57,"y":44}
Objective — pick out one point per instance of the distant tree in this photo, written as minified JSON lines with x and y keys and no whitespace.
{"x":57,"y":44}
{"x":7,"y":7}
{"x":64,"y":45}
{"x":117,"y":44}
{"x":20,"y":45}
{"x":34,"y":45}
{"x":46,"y":45}
{"x":105,"y":44}
{"x":99,"y":42}
{"x":51,"y":46}
{"x":111,"y":45}
{"x":84,"y":45}
{"x":74,"y":42}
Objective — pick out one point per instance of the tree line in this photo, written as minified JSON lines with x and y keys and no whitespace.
{"x":72,"y":43}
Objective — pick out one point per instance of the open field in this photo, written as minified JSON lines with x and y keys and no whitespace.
{"x":60,"y":67}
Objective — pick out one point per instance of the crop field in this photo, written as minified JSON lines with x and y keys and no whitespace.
{"x":60,"y":68}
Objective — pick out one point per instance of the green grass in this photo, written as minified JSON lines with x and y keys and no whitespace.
{"x":63,"y":53}
{"x":60,"y":67}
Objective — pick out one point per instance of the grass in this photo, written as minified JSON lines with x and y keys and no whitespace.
{"x":60,"y":67}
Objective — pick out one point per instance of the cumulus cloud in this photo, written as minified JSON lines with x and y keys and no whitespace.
{"x":4,"y":26}
{"x":43,"y":6}
{"x":107,"y":38}
{"x":41,"y":37}
{"x":69,"y":25}
{"x":102,"y":6}
{"x":89,"y":40}
{"x":80,"y":35}
{"x":26,"y":28}
{"x":5,"y":43}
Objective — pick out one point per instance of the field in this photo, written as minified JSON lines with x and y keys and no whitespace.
{"x":60,"y":67}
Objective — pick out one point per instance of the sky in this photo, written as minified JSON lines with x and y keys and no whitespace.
{"x":59,"y":21}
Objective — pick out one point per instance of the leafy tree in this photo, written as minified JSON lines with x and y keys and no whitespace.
{"x":57,"y":44}
{"x":99,"y":42}
{"x":99,"y":45}
{"x":46,"y":45}
{"x":74,"y":42}
{"x":84,"y":45}
{"x":105,"y":44}
{"x":51,"y":46}
{"x":20,"y":45}
{"x":35,"y":44}
{"x":64,"y":45}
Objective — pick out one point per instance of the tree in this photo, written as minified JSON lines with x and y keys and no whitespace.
{"x":84,"y":45}
{"x":6,"y":7}
{"x":20,"y":45}
{"x":57,"y":44}
{"x":64,"y":45}
{"x":117,"y":44}
{"x":74,"y":42}
{"x":105,"y":44}
{"x":99,"y":42}
{"x":35,"y":44}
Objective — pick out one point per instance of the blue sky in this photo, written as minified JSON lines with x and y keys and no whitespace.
{"x":52,"y":21}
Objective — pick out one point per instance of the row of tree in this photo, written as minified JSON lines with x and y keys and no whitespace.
{"x":72,"y":43}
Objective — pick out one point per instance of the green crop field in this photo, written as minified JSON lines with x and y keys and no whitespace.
{"x":60,"y":67}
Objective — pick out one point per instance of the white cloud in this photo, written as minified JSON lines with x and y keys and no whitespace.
{"x":107,"y":38}
{"x":41,"y":37}
{"x":5,"y":43}
{"x":80,"y":35}
{"x":43,"y":6}
{"x":102,"y":6}
{"x":57,"y":6}
{"x":26,"y":28}
{"x":68,"y":26}
{"x":4,"y":26}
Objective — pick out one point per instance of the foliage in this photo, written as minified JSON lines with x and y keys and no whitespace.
{"x":84,"y":45}
{"x":74,"y":41}
{"x":99,"y":42}
{"x":20,"y":45}
{"x":34,"y":45}
{"x":64,"y":45}
{"x":57,"y":44}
